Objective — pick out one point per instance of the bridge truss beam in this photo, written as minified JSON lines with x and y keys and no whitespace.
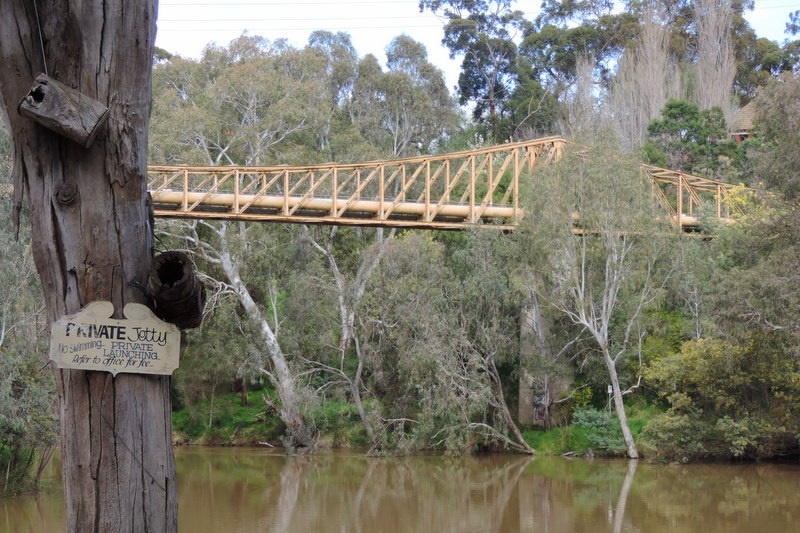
{"x":688,"y":198}
{"x":449,"y":191}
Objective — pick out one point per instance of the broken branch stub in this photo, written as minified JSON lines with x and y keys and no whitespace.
{"x":64,"y":110}
{"x":179,"y":296}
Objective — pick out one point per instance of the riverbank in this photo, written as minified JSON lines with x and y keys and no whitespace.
{"x":230,"y":420}
{"x":237,"y":420}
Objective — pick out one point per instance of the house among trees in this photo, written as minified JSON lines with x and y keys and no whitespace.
{"x":741,"y":126}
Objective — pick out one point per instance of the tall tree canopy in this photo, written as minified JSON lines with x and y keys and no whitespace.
{"x":482,"y":32}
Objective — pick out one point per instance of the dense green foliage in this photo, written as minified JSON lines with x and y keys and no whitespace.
{"x":692,"y":140}
{"x":415,"y":337}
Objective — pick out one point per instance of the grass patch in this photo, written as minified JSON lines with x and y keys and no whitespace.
{"x":640,"y":414}
{"x":558,"y":441}
{"x":226,"y":422}
{"x":340,"y":425}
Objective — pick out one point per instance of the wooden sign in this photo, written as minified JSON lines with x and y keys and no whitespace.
{"x":90,"y":340}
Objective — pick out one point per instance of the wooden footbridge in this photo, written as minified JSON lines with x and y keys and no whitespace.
{"x":448,"y":191}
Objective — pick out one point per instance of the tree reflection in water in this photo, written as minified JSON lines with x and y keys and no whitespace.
{"x":256,"y":490}
{"x":622,"y":501}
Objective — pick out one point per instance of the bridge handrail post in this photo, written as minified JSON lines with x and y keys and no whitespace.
{"x":446,"y":192}
{"x":472,"y":180}
{"x":382,"y":193}
{"x":185,"y":200}
{"x":236,"y":190}
{"x":334,"y":191}
{"x":428,"y":190}
{"x":515,"y":188}
{"x":490,"y":178}
{"x":679,"y":202}
{"x":286,"y":192}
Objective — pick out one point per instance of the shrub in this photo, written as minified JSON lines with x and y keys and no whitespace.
{"x":602,"y":429}
{"x":677,"y":435}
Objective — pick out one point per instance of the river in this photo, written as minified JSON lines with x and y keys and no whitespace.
{"x":245,"y":490}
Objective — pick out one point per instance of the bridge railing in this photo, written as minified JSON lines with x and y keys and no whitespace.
{"x":684,"y":195}
{"x":441,"y":191}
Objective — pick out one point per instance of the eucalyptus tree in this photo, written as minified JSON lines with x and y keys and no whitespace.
{"x":483,"y":33}
{"x":253,"y":101}
{"x":340,"y":60}
{"x":237,"y":103}
{"x":418,"y":108}
{"x":605,"y":260}
{"x":404,"y":110}
{"x":351,"y":267}
{"x":761,"y":60}
{"x":240,"y":261}
{"x":433,"y":360}
{"x":488,"y":306}
{"x":90,"y":240}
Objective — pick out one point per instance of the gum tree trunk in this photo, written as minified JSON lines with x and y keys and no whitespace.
{"x":91,"y":239}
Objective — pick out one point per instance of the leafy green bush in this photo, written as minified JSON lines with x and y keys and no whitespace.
{"x":677,"y":435}
{"x":730,"y":401}
{"x":602,"y":429}
{"x":743,"y":437}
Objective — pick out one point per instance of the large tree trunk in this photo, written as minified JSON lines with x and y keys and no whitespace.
{"x":300,"y":433}
{"x":90,"y":241}
{"x":619,"y":406}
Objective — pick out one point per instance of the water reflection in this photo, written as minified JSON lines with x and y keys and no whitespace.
{"x":248,"y":490}
{"x":622,"y":500}
{"x":269,"y":492}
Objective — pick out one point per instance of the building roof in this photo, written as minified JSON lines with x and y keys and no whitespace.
{"x":742,"y":120}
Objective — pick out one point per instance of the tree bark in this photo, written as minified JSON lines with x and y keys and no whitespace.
{"x":91,"y":239}
{"x":619,"y":406}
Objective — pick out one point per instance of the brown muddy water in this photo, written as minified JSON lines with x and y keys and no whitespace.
{"x":236,"y":490}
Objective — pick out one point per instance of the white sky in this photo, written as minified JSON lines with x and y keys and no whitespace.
{"x":186,"y":26}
